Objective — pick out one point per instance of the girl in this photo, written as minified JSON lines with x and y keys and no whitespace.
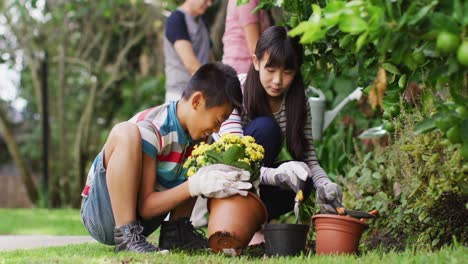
{"x":276,"y":114}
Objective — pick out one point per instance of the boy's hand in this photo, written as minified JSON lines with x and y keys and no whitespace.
{"x":219,"y":181}
{"x":326,"y":194}
{"x":288,"y":175}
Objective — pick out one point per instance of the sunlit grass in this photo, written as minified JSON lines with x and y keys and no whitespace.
{"x":68,"y":222}
{"x":41,"y":222}
{"x":96,"y":253}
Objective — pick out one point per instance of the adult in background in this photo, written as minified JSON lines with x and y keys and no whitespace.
{"x":243,"y":28}
{"x":186,"y":45}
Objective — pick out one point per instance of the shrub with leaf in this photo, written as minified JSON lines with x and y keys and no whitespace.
{"x":419,"y":184}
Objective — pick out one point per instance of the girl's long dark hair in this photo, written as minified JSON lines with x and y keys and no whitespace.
{"x":285,"y":52}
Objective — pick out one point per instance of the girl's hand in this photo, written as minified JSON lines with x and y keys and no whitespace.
{"x":326,"y":194}
{"x":289,"y":175}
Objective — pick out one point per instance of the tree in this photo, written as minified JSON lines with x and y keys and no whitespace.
{"x":93,"y":47}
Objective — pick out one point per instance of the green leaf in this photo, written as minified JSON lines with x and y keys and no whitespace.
{"x":312,"y":36}
{"x":352,"y":172}
{"x":443,"y":22}
{"x":304,"y":26}
{"x":214,"y":156}
{"x":352,"y":24}
{"x":465,"y":11}
{"x":457,"y":11}
{"x":335,"y":7}
{"x":345,"y":41}
{"x":464,"y":131}
{"x":425,"y":126}
{"x":435,"y":242}
{"x":391,"y":68}
{"x":316,"y":14}
{"x":421,"y":13}
{"x":376,"y":175}
{"x":233,"y":154}
{"x":332,"y":13}
{"x":361,"y":41}
{"x":402,"y":81}
{"x":242,"y":165}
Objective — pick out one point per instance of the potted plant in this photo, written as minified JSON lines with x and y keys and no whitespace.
{"x":233,"y":220}
{"x":337,"y":234}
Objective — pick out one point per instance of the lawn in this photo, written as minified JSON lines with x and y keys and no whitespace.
{"x":67,"y":222}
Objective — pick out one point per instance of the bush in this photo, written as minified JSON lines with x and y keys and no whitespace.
{"x":418,"y":183}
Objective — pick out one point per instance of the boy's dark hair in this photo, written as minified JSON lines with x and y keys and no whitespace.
{"x":218,"y":83}
{"x":285,"y":52}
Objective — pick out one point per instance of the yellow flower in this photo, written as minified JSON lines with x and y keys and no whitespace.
{"x":204,"y":154}
{"x":191,"y":171}
{"x":247,"y":140}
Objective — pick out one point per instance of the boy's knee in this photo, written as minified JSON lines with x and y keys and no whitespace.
{"x":125,"y":132}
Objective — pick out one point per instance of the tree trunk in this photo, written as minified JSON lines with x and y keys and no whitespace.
{"x":13,"y":148}
{"x":217,"y":30}
{"x":61,"y":179}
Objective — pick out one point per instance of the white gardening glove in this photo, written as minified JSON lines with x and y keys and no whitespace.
{"x":328,"y":193}
{"x":219,"y":181}
{"x":288,"y":175}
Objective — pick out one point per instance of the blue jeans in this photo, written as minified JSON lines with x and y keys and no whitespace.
{"x":267,"y":133}
{"x":96,"y":209}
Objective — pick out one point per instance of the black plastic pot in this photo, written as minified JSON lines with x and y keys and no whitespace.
{"x":285,"y":239}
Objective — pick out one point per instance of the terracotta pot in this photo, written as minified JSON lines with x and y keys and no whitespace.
{"x":233,"y":221}
{"x":337,"y":234}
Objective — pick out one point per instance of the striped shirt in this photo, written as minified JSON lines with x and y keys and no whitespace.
{"x":165,"y":141}
{"x":236,"y":123}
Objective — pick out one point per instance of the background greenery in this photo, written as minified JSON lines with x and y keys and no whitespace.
{"x":410,"y":57}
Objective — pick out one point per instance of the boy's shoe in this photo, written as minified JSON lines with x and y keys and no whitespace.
{"x":180,"y":234}
{"x":129,"y":238}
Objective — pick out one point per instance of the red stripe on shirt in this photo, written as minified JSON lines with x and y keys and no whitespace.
{"x":143,"y":114}
{"x":86,"y":190}
{"x":157,"y":134}
{"x":172,"y":157}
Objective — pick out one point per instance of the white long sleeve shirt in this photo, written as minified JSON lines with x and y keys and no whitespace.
{"x":235,"y":125}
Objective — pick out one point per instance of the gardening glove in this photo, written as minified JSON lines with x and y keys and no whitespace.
{"x":326,"y":194}
{"x":288,"y":175}
{"x":219,"y":181}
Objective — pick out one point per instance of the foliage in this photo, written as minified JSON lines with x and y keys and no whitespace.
{"x":232,"y":150}
{"x":387,"y":45}
{"x":419,"y":184}
{"x":409,"y":55}
{"x":96,"y":54}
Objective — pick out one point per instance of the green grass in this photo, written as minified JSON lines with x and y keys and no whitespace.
{"x":41,"y":222}
{"x":67,"y":222}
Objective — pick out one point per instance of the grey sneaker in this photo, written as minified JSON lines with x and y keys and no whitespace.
{"x":129,"y":238}
{"x":180,"y":234}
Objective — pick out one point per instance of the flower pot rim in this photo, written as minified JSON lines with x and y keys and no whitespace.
{"x":339,"y":217}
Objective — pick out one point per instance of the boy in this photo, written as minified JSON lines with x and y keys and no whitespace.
{"x":138,"y":178}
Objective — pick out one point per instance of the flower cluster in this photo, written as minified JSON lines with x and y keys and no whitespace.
{"x":233,"y":150}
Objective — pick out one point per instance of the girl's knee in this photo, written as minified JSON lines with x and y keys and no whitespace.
{"x":264,"y":126}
